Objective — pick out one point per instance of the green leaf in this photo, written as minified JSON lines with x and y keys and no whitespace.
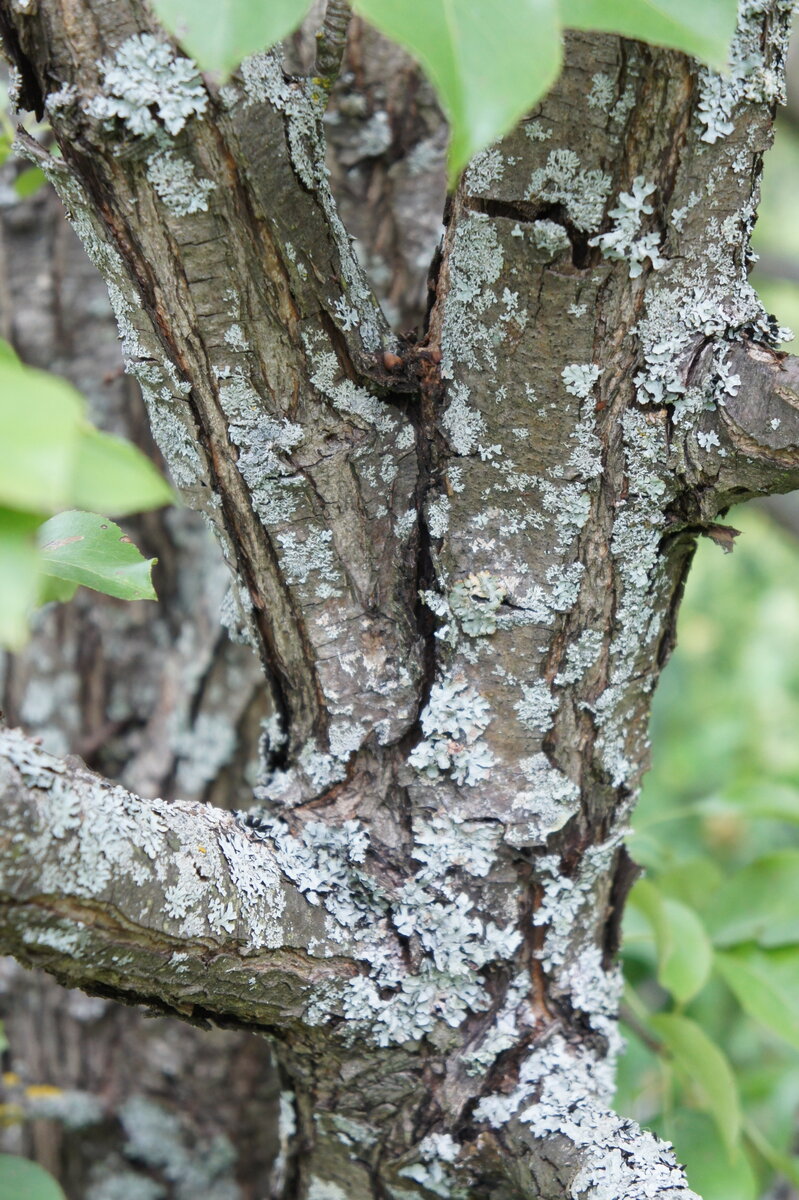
{"x":7,"y":352}
{"x":115,"y":477}
{"x":19,"y":575}
{"x":703,"y":29}
{"x":218,"y":34}
{"x":489,"y":63}
{"x":88,"y":549}
{"x":700,"y":1061}
{"x":54,"y":459}
{"x":21,"y":1179}
{"x":40,"y":421}
{"x":28,"y":182}
{"x":685,"y":955}
{"x":759,"y":903}
{"x":766,"y":986}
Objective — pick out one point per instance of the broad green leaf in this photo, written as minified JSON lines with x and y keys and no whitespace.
{"x":700,"y":1061}
{"x":21,"y":1179}
{"x":19,"y":576}
{"x":7,"y":352}
{"x":53,"y":590}
{"x":685,"y":955}
{"x":218,"y":34}
{"x":115,"y":477}
{"x":766,"y":986}
{"x":490,"y":63}
{"x":28,"y":182}
{"x":54,"y":459}
{"x":758,"y":904}
{"x":88,"y":549}
{"x":703,"y":28}
{"x":40,"y":423}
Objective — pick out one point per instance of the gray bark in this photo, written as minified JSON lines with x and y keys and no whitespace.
{"x":459,"y":558}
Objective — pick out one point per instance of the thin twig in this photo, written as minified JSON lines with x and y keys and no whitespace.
{"x":330,"y":41}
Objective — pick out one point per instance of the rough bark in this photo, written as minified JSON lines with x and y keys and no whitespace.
{"x":159,"y":697}
{"x":460,"y":558}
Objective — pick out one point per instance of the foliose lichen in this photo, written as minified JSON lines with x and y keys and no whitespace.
{"x":625,"y":241}
{"x":177,"y":183}
{"x":453,"y":723}
{"x":749,"y":78}
{"x":149,"y":88}
{"x":583,"y":193}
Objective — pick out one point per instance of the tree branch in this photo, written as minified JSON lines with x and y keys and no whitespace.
{"x":177,"y":906}
{"x":749,"y":445}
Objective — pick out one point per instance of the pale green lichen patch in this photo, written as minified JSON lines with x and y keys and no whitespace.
{"x":550,"y":237}
{"x":617,"y":1158}
{"x":475,"y":601}
{"x":391,"y":1004}
{"x":750,"y":78}
{"x":542,"y":807}
{"x":149,"y":88}
{"x":625,"y":241}
{"x":475,"y":264}
{"x":177,"y":184}
{"x":583,"y":193}
{"x":265,"y":445}
{"x":453,"y":723}
{"x":536,"y":707}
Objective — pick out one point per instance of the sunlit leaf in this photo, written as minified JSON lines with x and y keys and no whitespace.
{"x":84,"y":548}
{"x":699,"y":1060}
{"x":28,"y":182}
{"x":692,"y":882}
{"x":21,"y":1179}
{"x":786,"y":1164}
{"x":54,"y":459}
{"x":40,"y":423}
{"x":113,"y":476}
{"x":703,"y":29}
{"x":218,"y":34}
{"x":7,"y":352}
{"x":19,"y":575}
{"x":489,"y":63}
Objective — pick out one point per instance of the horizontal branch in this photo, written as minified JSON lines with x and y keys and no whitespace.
{"x":174,"y":905}
{"x":749,"y":445}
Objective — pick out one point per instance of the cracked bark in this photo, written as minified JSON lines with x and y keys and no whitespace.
{"x":539,"y":460}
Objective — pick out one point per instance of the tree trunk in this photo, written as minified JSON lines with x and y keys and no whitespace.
{"x":458,"y":555}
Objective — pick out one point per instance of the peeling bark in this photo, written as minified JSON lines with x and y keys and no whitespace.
{"x":459,"y":556}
